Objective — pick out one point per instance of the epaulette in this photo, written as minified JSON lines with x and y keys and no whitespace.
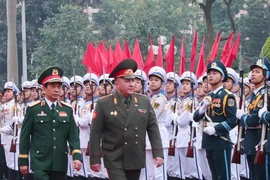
{"x":106,"y":96}
{"x":229,"y":92}
{"x":66,"y":104}
{"x":34,"y":103}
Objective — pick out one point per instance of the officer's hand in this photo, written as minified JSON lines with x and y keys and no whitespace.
{"x":158,"y":161}
{"x":210,"y":130}
{"x":206,"y":102}
{"x":77,"y":165}
{"x":95,"y":167}
{"x":261,"y":111}
{"x":239,"y":113}
{"x":24,"y":169}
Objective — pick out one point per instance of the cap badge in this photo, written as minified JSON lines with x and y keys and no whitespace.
{"x":259,"y":61}
{"x":55,"y":72}
{"x":214,"y":64}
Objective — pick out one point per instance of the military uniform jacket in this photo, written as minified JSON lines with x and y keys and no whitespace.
{"x":45,"y":134}
{"x":123,"y":132}
{"x":252,"y":122}
{"x":222,"y":110}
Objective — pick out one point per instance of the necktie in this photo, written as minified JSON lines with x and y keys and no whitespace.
{"x":127,"y":102}
{"x":53,"y":108}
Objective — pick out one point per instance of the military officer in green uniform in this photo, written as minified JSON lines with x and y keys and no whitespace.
{"x":219,"y":111}
{"x":47,"y":127}
{"x":122,"y":119}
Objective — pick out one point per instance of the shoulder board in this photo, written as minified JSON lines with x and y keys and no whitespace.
{"x":229,"y":92}
{"x":66,"y":104}
{"x":34,"y":103}
{"x":104,"y":97}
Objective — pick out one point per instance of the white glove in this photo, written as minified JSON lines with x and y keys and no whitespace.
{"x":190,"y":116}
{"x":210,"y":130}
{"x":261,"y":111}
{"x":239,"y":113}
{"x":76,"y":118}
{"x":206,"y":102}
{"x":256,"y":147}
{"x":194,"y":139}
{"x":15,"y":119}
{"x":174,"y":117}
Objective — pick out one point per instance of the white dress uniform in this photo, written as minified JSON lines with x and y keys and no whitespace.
{"x":159,"y":104}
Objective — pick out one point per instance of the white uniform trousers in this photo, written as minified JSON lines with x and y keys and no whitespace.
{"x":243,"y":167}
{"x":203,"y":163}
{"x":150,"y":172}
{"x":175,"y":166}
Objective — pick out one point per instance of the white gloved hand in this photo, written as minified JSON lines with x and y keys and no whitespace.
{"x":15,"y":119}
{"x":239,"y":113}
{"x":190,"y":116}
{"x":206,"y":102}
{"x":210,"y":130}
{"x":194,"y":139}
{"x":174,"y":116}
{"x":261,"y":111}
{"x":256,"y":147}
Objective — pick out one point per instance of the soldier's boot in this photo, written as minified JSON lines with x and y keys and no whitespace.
{"x":13,"y":174}
{"x":75,"y":177}
{"x":69,"y":178}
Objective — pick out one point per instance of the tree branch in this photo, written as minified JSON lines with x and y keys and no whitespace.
{"x":228,"y":4}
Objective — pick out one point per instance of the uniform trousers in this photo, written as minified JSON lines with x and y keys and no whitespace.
{"x":220,"y":163}
{"x":121,"y":174}
{"x":256,"y":171}
{"x":49,"y":175}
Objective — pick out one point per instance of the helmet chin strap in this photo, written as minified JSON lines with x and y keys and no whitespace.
{"x":218,"y":82}
{"x":259,"y":82}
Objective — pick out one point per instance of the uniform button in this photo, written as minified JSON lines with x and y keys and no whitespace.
{"x":53,"y":129}
{"x":54,"y":147}
{"x":125,"y":143}
{"x":136,"y":135}
{"x":41,"y":121}
{"x":125,"y":129}
{"x":54,"y":138}
{"x":54,"y":121}
{"x":37,"y":152}
{"x":136,"y":128}
{"x":64,"y":121}
{"x":136,"y":142}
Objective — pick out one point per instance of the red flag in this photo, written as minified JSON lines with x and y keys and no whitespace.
{"x":159,"y":60}
{"x":170,"y":57}
{"x":100,"y":61}
{"x":137,"y":55}
{"x":226,"y":48}
{"x":182,"y":58}
{"x":103,"y":49}
{"x":233,"y":52}
{"x":215,"y":46}
{"x":89,"y":59}
{"x":112,"y":60}
{"x":201,"y":64}
{"x":149,"y":62}
{"x":193,"y":53}
{"x":118,"y":51}
{"x":127,"y":53}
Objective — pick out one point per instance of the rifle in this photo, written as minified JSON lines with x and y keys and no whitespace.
{"x":87,"y":153}
{"x":190,"y":152}
{"x":260,"y":158}
{"x":171,"y":151}
{"x":236,"y":158}
{"x":15,"y":127}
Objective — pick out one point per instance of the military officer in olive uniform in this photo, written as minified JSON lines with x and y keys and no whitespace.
{"x":251,"y":121}
{"x":47,"y":127}
{"x":219,"y":111}
{"x":122,"y":119}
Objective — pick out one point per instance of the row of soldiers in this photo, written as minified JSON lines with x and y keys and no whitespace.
{"x":187,"y":109}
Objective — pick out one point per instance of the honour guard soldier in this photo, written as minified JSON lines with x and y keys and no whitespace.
{"x":219,"y":111}
{"x":105,"y":85}
{"x":122,"y":119}
{"x":140,"y":82}
{"x":65,"y":90}
{"x":9,"y":117}
{"x":251,"y":120}
{"x":184,"y":119}
{"x":36,"y":90}
{"x":157,"y":79}
{"x":47,"y":127}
